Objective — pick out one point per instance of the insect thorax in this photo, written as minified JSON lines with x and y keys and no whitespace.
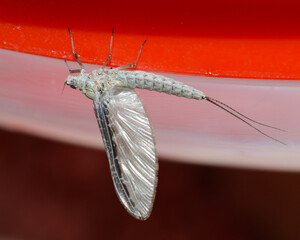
{"x":99,"y":81}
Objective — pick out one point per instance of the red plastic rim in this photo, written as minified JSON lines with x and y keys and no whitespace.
{"x":249,"y":39}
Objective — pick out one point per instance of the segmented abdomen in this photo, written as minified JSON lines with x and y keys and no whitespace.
{"x":158,"y":83}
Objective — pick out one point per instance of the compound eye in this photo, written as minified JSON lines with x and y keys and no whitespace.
{"x":72,"y":86}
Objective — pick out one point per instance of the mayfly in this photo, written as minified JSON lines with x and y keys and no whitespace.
{"x":125,"y":127}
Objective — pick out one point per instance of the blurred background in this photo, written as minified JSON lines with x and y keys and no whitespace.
{"x":51,"y":190}
{"x":218,"y":179}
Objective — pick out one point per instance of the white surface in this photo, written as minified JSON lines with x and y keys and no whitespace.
{"x":185,"y":130}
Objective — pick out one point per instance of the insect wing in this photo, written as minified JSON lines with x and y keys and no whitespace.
{"x":129,"y":143}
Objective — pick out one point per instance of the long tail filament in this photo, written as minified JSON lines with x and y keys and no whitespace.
{"x":235,"y":113}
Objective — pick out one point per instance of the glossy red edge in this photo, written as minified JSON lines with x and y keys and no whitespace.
{"x":249,"y":39}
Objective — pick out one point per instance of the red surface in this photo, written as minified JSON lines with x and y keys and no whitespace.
{"x":245,"y":39}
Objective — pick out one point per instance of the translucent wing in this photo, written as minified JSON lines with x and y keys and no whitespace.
{"x":129,"y":143}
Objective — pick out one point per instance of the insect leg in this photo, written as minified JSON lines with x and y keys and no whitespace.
{"x":70,"y":70}
{"x":109,"y":56}
{"x":137,"y":59}
{"x":75,"y":56}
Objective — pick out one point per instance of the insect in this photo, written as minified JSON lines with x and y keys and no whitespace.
{"x":125,"y":127}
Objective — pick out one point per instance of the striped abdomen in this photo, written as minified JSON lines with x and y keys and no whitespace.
{"x":158,"y":83}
